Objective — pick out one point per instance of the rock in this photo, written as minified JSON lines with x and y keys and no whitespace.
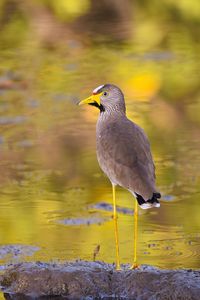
{"x":97,"y":280}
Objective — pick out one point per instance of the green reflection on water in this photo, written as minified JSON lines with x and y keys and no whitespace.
{"x":48,"y":164}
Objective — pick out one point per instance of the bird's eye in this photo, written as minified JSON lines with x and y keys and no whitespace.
{"x":105,"y":93}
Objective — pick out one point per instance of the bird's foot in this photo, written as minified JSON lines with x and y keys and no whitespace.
{"x":118,"y":268}
{"x":134,"y":266}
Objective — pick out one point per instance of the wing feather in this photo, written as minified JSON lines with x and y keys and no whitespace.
{"x":124,"y":153}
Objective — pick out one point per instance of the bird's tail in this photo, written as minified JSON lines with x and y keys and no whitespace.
{"x":153,"y":202}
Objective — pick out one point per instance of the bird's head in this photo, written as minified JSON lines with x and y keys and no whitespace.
{"x":107,"y":97}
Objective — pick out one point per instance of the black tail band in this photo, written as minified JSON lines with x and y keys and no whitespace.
{"x":154,"y":198}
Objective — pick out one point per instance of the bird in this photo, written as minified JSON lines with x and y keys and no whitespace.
{"x":124,"y":155}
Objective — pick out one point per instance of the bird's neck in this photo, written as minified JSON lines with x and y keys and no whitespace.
{"x":112,"y":112}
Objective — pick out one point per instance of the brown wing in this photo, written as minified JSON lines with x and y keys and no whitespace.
{"x":125,"y":156}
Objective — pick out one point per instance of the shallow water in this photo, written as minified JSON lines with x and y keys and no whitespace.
{"x":52,"y":189}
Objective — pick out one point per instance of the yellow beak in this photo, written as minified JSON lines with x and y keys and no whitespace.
{"x":91,"y":99}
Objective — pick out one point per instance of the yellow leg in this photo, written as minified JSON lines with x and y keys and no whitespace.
{"x":135,"y":265}
{"x":116,"y":228}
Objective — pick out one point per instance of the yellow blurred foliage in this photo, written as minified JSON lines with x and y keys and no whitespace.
{"x":143,"y":86}
{"x":68,"y":9}
{"x":190,"y":9}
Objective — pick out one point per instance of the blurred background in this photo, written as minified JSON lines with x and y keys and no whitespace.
{"x":54,"y":199}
